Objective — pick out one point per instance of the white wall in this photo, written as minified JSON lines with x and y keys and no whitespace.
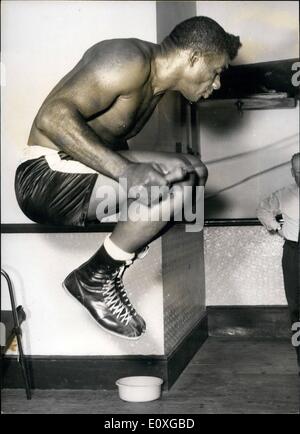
{"x":240,"y":154}
{"x":56,"y":324}
{"x":243,"y":267}
{"x":41,"y":42}
{"x":269,"y":30}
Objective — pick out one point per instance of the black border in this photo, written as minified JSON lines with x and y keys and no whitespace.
{"x":32,"y":228}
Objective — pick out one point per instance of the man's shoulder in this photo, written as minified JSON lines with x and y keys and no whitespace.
{"x":117,"y":54}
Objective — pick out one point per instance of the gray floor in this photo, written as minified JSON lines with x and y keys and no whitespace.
{"x":228,"y":376}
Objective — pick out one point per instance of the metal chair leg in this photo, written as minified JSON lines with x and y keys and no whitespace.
{"x":18,"y":332}
{"x":24,"y":367}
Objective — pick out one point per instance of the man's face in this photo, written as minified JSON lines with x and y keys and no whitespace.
{"x":201,"y":75}
{"x":296,"y":170}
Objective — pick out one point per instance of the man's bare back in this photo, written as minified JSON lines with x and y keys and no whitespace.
{"x":110,"y":88}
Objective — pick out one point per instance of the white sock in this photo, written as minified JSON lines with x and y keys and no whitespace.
{"x":115,"y":252}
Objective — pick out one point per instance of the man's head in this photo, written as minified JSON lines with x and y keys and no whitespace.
{"x":208,"y":49}
{"x":296,"y":167}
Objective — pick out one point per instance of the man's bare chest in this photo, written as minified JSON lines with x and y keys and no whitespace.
{"x":126,"y":117}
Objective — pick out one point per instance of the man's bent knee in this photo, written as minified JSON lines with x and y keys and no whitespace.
{"x":198,"y":166}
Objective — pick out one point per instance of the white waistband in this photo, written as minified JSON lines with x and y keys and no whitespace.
{"x":31,"y":152}
{"x":54,"y":160}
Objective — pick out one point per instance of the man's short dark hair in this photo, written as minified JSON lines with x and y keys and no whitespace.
{"x":205,"y":35}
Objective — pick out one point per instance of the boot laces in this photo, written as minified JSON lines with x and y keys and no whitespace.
{"x":114,"y":302}
{"x":122,"y":291}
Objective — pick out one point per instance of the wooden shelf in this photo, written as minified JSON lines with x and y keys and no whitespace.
{"x":270,"y":81}
{"x":252,"y":102}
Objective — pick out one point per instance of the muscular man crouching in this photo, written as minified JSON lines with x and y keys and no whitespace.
{"x":79,"y":140}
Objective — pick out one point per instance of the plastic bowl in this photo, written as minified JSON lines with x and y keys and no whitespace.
{"x":139,"y":389}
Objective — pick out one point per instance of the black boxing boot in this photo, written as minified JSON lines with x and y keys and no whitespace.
{"x":111,"y":247}
{"x":123,"y":294}
{"x":125,"y":299}
{"x":96,"y":285}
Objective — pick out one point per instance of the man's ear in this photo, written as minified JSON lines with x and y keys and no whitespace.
{"x":194,"y":57}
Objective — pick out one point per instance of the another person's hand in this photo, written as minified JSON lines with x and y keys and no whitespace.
{"x":280,"y":233}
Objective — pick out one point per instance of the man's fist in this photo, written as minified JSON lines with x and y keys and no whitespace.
{"x":142,"y":176}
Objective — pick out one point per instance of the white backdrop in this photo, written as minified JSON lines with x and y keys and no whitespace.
{"x":41,"y":42}
{"x":269,"y":30}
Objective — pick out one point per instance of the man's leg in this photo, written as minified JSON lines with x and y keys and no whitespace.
{"x":98,"y":284}
{"x":131,"y":236}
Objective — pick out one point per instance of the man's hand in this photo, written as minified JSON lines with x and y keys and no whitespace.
{"x":142,"y":176}
{"x":277,"y":231}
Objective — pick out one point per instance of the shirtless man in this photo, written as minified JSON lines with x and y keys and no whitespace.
{"x":81,"y":133}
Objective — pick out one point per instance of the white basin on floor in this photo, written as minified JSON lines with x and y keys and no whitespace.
{"x":139,"y":389}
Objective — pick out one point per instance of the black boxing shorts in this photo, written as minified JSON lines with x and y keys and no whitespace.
{"x":54,"y":197}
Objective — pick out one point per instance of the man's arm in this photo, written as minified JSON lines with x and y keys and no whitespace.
{"x":202,"y":171}
{"x":61,"y":121}
{"x":63,"y":124}
{"x":115,"y":70}
{"x":267,"y":211}
{"x":106,"y":72}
